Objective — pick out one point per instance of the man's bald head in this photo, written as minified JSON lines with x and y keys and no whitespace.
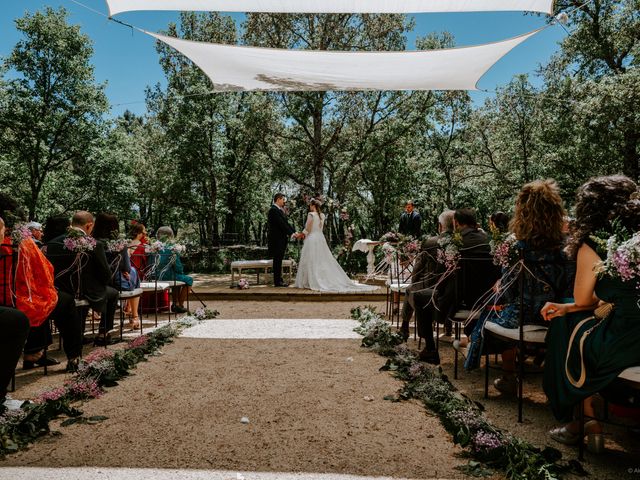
{"x":83,"y":220}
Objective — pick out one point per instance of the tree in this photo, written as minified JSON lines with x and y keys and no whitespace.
{"x":595,"y":78}
{"x":215,"y":140}
{"x":51,"y":112}
{"x":316,"y":122}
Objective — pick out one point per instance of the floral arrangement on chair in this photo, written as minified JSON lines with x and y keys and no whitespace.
{"x":622,"y":256}
{"x":76,"y":241}
{"x":243,"y":284}
{"x":117,"y":244}
{"x":155,"y":246}
{"x":177,"y":248}
{"x":449,"y":251}
{"x":391,"y":237}
{"x":19,"y":233}
{"x":504,"y":248}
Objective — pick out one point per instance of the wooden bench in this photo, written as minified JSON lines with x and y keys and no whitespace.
{"x":259,"y":266}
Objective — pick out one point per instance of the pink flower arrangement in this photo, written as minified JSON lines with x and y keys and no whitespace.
{"x":117,"y":245}
{"x":154,"y":247}
{"x":177,"y":248}
{"x":623,"y":259}
{"x":412,"y":247}
{"x":98,"y":355}
{"x":51,"y":395}
{"x":390,"y":237}
{"x":344,"y":214}
{"x":484,"y":442}
{"x":19,"y":233}
{"x":449,"y":251}
{"x":138,"y":342}
{"x":504,"y":250}
{"x":80,"y":243}
{"x":88,"y":388}
{"x":243,"y":284}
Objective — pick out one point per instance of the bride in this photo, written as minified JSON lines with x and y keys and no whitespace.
{"x":318,"y":269}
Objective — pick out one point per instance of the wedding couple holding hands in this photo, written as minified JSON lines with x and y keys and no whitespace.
{"x":317,"y":269}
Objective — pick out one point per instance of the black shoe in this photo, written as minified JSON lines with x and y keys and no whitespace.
{"x":72,"y":365}
{"x":48,"y":361}
{"x":178,"y":309}
{"x":41,"y":362}
{"x":281,"y":284}
{"x":429,"y":356}
{"x":404,"y":331}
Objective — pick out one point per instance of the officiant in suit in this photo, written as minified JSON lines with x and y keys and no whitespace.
{"x":410,"y":221}
{"x":279,"y":232}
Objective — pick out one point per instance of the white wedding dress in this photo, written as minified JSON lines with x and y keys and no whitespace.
{"x":318,"y":269}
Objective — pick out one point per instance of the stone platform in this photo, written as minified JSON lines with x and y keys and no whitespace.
{"x":218,"y":287}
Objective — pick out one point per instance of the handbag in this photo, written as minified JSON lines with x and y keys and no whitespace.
{"x":599,"y":314}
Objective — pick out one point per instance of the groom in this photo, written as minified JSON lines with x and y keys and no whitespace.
{"x":278,"y":236}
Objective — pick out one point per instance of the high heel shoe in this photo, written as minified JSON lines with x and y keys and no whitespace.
{"x":134,"y":324}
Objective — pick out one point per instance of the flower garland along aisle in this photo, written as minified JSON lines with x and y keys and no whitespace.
{"x":99,"y":369}
{"x":487,"y":445}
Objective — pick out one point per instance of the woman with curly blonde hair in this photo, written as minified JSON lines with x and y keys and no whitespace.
{"x":537,"y":227}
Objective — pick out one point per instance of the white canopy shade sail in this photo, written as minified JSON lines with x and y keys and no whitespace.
{"x":333,"y":6}
{"x":237,"y":68}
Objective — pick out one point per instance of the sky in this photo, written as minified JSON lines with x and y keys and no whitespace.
{"x":127,"y":62}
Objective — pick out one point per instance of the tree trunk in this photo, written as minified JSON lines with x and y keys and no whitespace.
{"x":318,"y":153}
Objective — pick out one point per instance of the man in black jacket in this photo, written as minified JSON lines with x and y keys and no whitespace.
{"x":278,"y":236}
{"x":410,"y":221}
{"x":86,"y":275}
{"x":438,"y":304}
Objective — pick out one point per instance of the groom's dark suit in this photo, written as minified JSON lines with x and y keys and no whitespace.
{"x":278,"y":236}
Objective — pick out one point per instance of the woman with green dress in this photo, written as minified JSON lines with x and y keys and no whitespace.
{"x":591,"y":341}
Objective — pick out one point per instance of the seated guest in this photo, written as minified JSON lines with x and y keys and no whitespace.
{"x":426,"y":269}
{"x":82,"y":270}
{"x":537,"y":227}
{"x":137,"y":253}
{"x":36,"y":232}
{"x":125,"y":276}
{"x":170,"y":268}
{"x":499,"y":222}
{"x":439,"y":302}
{"x":585,"y":354}
{"x":36,"y":296}
{"x":14,"y":328}
{"x":31,"y":289}
{"x":55,"y":226}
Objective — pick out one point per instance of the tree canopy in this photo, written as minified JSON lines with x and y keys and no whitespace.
{"x":209,"y":164}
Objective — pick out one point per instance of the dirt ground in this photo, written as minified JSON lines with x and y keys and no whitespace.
{"x":305,"y":401}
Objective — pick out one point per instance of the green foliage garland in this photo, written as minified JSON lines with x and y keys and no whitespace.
{"x":461,"y":417}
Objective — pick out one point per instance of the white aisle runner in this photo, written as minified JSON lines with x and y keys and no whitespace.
{"x":92,"y":473}
{"x":272,"y":328}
